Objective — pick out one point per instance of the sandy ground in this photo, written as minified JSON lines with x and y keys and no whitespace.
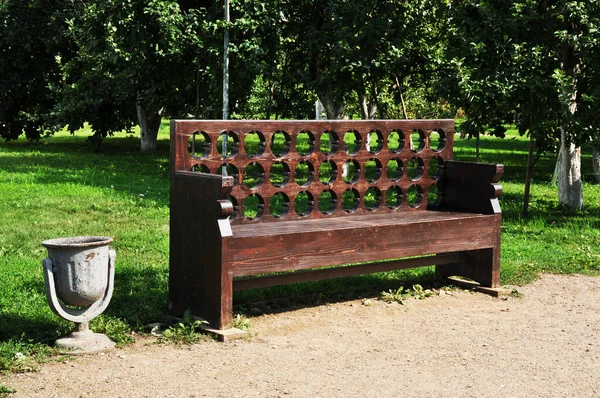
{"x":545,"y":344}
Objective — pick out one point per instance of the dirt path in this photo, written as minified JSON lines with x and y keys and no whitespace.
{"x":546,"y":344}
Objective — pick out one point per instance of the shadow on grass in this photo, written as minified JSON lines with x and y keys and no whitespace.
{"x":31,"y":328}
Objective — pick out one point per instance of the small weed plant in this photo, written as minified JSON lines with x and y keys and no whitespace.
{"x":188,"y":331}
{"x":400,"y":294}
{"x":5,"y":391}
{"x":241,"y":322}
{"x":116,"y":329}
{"x":22,"y":356}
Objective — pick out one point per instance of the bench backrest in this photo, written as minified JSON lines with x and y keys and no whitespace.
{"x":286,"y":170}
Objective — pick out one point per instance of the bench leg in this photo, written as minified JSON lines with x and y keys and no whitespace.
{"x":482,"y":266}
{"x":205,"y":291}
{"x":215,"y":304}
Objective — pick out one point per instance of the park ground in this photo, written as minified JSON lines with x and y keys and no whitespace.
{"x":542,"y":342}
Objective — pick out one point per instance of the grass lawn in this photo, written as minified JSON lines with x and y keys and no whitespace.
{"x":60,"y":187}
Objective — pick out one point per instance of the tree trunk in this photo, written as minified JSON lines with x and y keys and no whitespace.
{"x":401,"y":96}
{"x":333,"y":107}
{"x":570,"y":189}
{"x":197,"y":108}
{"x":528,"y":176}
{"x":149,"y":124}
{"x":596,"y":162}
{"x":368,"y":108}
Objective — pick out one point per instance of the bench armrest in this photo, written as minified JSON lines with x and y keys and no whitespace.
{"x":201,"y":199}
{"x":470,"y":187}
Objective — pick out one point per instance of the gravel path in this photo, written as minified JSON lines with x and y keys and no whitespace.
{"x":463,"y":344}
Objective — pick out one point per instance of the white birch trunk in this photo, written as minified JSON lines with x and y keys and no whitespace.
{"x":369,"y":109}
{"x":570,"y":188}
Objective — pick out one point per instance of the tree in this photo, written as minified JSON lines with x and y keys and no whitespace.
{"x":344,"y":46}
{"x":534,"y":59}
{"x":32,"y":39}
{"x":135,"y":63}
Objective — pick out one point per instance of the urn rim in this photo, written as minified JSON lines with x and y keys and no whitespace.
{"x":77,"y":241}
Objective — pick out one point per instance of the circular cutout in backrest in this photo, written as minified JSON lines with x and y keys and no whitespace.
{"x":373,"y":170}
{"x":415,"y":168}
{"x":350,"y":200}
{"x":352,"y":142}
{"x":351,"y":171}
{"x":437,"y":140}
{"x":328,"y":172}
{"x":255,"y":144}
{"x":253,"y":206}
{"x":229,"y":170}
{"x":279,"y":174}
{"x":374,"y":142}
{"x":329,"y":143}
{"x":279,"y":205}
{"x":394,"y":169}
{"x":199,"y":145}
{"x":435,"y":167}
{"x":417,"y":140}
{"x":305,"y":143}
{"x":396,"y":141}
{"x":432,"y":196}
{"x":304,"y":173}
{"x":414,"y":195}
{"x":254,"y":175}
{"x":372,"y":198}
{"x":280,"y":143}
{"x":304,"y":203}
{"x":229,"y":147}
{"x":393,"y":197}
{"x":200,"y":168}
{"x":327,"y":202}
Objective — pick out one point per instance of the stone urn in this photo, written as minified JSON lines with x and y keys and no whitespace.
{"x":79,"y":275}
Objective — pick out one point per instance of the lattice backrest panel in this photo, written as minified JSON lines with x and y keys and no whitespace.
{"x":285,"y":170}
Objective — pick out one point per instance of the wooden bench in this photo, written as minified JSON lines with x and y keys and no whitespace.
{"x":372,"y":195}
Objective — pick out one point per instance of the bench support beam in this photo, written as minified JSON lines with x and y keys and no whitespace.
{"x":344,"y":271}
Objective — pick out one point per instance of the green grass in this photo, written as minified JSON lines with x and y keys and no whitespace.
{"x":5,"y":391}
{"x":60,"y":187}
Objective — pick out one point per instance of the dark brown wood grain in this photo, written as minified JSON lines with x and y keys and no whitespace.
{"x":213,"y":244}
{"x":421,"y":154}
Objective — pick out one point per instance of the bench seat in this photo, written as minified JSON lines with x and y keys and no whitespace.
{"x":293,"y":245}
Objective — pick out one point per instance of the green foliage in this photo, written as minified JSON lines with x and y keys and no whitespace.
{"x":241,"y":322}
{"x":130,"y":53}
{"x":400,"y":294}
{"x":395,"y":296}
{"x":32,"y":43}
{"x":18,"y":355}
{"x":116,"y":329}
{"x":188,"y":331}
{"x":525,"y":60}
{"x":344,"y":47}
{"x":5,"y":391}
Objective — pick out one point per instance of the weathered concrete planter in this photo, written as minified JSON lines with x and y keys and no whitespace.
{"x":79,"y":272}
